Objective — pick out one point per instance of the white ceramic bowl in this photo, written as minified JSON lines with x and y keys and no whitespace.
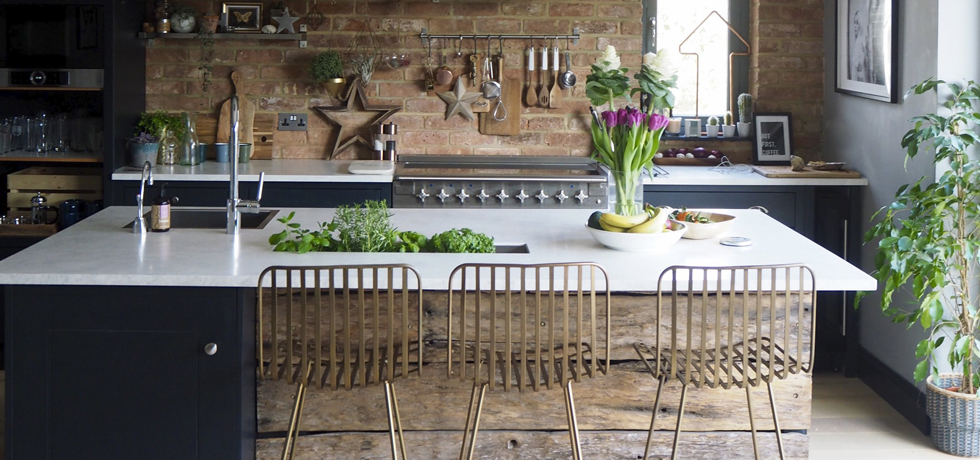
{"x":720,"y":223}
{"x":637,"y":242}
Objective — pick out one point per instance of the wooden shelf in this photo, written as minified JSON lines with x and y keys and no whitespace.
{"x":70,"y":157}
{"x":301,"y":38}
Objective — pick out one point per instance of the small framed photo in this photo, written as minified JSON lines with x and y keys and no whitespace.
{"x":242,"y":16}
{"x":692,"y":127}
{"x":867,"y":49}
{"x":772,"y":143}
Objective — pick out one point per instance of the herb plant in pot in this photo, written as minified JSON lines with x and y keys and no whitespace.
{"x":328,"y":68}
{"x":142,"y":147}
{"x":928,"y":243}
{"x":165,"y":127}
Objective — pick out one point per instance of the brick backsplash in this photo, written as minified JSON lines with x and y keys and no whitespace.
{"x":786,"y":71}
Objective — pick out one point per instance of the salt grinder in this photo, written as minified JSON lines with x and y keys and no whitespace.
{"x":389,"y":131}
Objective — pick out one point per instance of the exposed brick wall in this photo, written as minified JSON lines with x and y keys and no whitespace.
{"x":786,"y":72}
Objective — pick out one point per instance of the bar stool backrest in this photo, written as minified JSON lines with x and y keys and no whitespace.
{"x":356,"y":325}
{"x":725,"y":326}
{"x":528,"y":326}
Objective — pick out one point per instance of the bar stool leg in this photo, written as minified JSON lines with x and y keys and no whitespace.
{"x":472,"y":415}
{"x":680,"y":417}
{"x":653,"y":418}
{"x":572,"y":422}
{"x":755,"y":442}
{"x":394,"y":422}
{"x":775,"y":422}
{"x":292,"y":433}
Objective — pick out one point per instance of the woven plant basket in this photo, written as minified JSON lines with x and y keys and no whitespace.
{"x":955,"y":416}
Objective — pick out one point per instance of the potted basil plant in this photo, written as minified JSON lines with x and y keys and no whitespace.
{"x":928,"y":245}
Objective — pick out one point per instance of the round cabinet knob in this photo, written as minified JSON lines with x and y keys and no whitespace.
{"x":502,"y":195}
{"x":581,"y":196}
{"x":483,"y":195}
{"x":462,"y":196}
{"x":522,"y":196}
{"x":442,"y":195}
{"x":422,"y":195}
{"x":561,"y":196}
{"x":210,"y":349}
{"x":541,"y":196}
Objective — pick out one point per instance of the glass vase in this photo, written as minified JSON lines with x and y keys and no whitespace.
{"x":626,"y":192}
{"x":188,"y":145}
{"x":168,"y":148}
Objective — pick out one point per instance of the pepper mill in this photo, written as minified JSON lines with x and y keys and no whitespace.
{"x":390,"y":152}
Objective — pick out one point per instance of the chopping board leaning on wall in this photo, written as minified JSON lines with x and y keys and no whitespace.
{"x":246,"y":114}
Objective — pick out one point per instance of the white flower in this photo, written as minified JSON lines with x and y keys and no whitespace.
{"x":609,"y":59}
{"x":662,"y":62}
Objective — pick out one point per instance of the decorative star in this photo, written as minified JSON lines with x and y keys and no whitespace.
{"x":285,"y":22}
{"x":458,"y":101}
{"x":348,"y":136}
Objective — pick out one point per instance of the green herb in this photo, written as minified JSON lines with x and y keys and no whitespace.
{"x":463,"y":240}
{"x":327,"y":65}
{"x":365,"y":229}
{"x":303,"y":240}
{"x":157,"y":123}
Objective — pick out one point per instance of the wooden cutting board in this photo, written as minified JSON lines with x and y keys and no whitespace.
{"x":263,"y":131}
{"x":787,"y":172}
{"x":510,"y":97}
{"x":246,"y":114}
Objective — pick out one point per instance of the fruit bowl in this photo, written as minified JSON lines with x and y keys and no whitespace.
{"x":638,"y":242}
{"x":719,"y":223}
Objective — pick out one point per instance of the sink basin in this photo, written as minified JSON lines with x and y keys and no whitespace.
{"x":214,"y":218}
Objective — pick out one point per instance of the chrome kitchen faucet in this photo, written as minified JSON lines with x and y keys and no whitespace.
{"x":146,"y":175}
{"x":237,"y":206}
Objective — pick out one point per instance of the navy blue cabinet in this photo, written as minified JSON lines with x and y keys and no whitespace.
{"x":274,"y":195}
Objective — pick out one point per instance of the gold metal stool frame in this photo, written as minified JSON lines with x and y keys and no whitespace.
{"x":560,"y":335}
{"x":305,"y":349}
{"x":731,"y":355}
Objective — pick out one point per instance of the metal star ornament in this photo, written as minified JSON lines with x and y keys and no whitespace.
{"x":348,"y":135}
{"x":285,"y":22}
{"x":459,"y":101}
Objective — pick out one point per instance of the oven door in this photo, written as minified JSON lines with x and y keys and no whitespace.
{"x":36,"y":36}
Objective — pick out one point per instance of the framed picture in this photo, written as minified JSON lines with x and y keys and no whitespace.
{"x":242,"y":16}
{"x":867,"y":49}
{"x":772,"y":142}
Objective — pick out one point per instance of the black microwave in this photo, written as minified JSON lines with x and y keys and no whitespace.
{"x":45,"y":36}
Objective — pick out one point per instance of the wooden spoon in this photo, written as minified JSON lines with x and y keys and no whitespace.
{"x":531,"y":96}
{"x":554,"y":99}
{"x":543,"y":97}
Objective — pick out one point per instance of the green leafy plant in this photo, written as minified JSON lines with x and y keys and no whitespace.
{"x":929,"y":239}
{"x":205,"y":63}
{"x":713,"y":121}
{"x":159,"y":122}
{"x":365,"y":228}
{"x":744,"y":108}
{"x":462,"y":240}
{"x":327,"y":65}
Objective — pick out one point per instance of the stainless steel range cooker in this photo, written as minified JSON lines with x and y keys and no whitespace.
{"x":444,"y":181}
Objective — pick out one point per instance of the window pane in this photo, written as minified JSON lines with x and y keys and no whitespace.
{"x":675,"y":21}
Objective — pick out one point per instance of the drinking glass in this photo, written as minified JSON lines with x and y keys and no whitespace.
{"x":4,"y":136}
{"x":41,"y":139}
{"x":60,"y":133}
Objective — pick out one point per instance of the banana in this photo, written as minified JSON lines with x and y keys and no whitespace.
{"x":654,"y":225}
{"x":624,"y":222}
{"x":610,"y":228}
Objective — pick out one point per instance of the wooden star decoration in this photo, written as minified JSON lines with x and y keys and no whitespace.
{"x":458,"y":101}
{"x":285,"y":22}
{"x":348,"y":135}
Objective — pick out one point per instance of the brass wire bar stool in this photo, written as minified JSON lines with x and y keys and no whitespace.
{"x":340,"y":327}
{"x":527,"y":327}
{"x":745,"y":327}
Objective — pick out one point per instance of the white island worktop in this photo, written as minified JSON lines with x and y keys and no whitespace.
{"x":99,"y":251}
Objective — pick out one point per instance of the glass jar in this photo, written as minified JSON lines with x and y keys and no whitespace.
{"x":168,"y":148}
{"x":626,"y":193}
{"x":188,"y":145}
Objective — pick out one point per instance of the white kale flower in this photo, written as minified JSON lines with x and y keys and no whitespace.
{"x":609,"y":59}
{"x":662,"y":62}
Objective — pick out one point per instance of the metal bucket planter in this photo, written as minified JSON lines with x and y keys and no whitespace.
{"x":955,"y":416}
{"x":140,"y":153}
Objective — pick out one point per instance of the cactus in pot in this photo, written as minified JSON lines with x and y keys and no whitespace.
{"x":745,"y":115}
{"x":712,"y":128}
{"x":728,"y":129}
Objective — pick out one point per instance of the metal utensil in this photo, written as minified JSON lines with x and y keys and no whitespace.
{"x":568,"y":78}
{"x":490,"y":87}
{"x":444,"y":75}
{"x":500,"y":111}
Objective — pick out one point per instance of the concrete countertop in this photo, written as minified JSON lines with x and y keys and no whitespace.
{"x":742,"y":175}
{"x":99,"y":251}
{"x":275,"y":171}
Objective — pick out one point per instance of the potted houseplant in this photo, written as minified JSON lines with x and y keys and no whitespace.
{"x":142,"y":147}
{"x":712,"y":129}
{"x":745,"y":115}
{"x":328,"y":68}
{"x":209,"y":21}
{"x":728,"y":129}
{"x":928,"y":242}
{"x":165,"y":127}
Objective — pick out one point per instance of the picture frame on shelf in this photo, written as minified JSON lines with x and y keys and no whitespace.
{"x":772,"y":144}
{"x":242,"y":17}
{"x":867,"y":49}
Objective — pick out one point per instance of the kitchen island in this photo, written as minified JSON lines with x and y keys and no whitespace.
{"x":110,"y":332}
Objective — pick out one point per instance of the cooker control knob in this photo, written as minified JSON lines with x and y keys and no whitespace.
{"x":522,"y":196}
{"x":442,"y":195}
{"x":581,"y":196}
{"x":541,"y":196}
{"x":561,"y":196}
{"x":483,"y":195}
{"x":502,"y":195}
{"x":422,"y":195}
{"x":462,"y":196}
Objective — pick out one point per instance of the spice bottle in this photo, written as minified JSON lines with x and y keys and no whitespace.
{"x":160,"y":213}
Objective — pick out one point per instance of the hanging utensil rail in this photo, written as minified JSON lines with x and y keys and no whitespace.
{"x":425,"y":36}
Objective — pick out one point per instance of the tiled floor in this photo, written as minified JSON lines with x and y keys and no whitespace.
{"x":849,"y":422}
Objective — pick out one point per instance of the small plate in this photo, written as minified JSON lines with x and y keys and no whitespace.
{"x":826,"y":165}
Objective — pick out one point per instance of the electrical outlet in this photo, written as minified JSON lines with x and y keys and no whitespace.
{"x":292,"y":121}
{"x":302,"y":28}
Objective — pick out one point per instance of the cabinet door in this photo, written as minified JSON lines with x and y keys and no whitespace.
{"x":187,"y":193}
{"x":319,"y":195}
{"x":121,"y":372}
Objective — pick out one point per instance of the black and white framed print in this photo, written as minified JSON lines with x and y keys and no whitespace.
{"x":867,"y":46}
{"x":772,"y":142}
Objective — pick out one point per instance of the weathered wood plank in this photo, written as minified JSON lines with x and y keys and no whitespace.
{"x":511,"y":445}
{"x":622,"y":400}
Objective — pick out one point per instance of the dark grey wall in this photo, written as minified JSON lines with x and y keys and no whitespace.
{"x":867,"y":135}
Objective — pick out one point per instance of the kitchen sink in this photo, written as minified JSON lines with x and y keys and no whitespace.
{"x":214,"y":218}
